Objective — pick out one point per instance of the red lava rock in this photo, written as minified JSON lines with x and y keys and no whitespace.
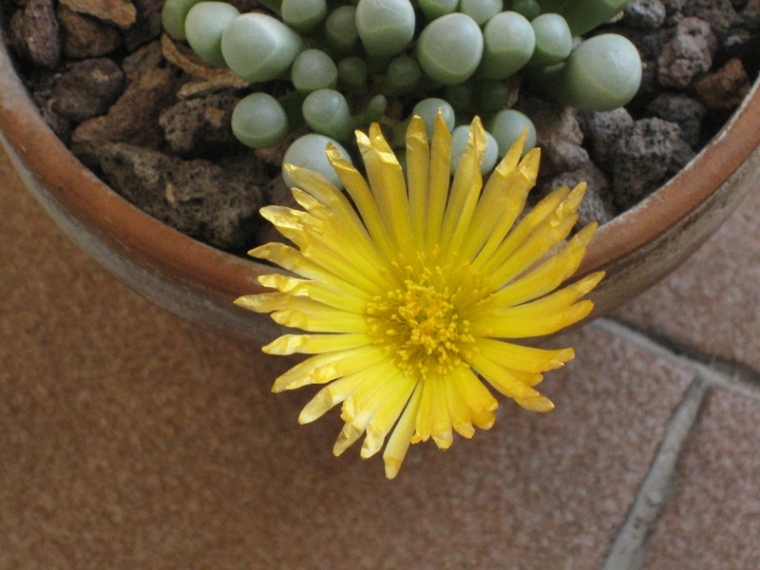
{"x":603,"y":129}
{"x":119,"y":12}
{"x":673,"y":6}
{"x":567,"y":163}
{"x":688,"y":54}
{"x":210,"y":202}
{"x":35,"y":35}
{"x":645,"y":14}
{"x":42,"y":94}
{"x":642,"y":154}
{"x":650,"y":44}
{"x":718,"y":13}
{"x":85,"y":37}
{"x":682,"y":155}
{"x":146,"y":58}
{"x":558,"y":134}
{"x":134,"y":116}
{"x":88,"y":89}
{"x":681,"y":109}
{"x":751,"y":8}
{"x":725,"y":88}
{"x":201,"y":125}
{"x":147,"y":25}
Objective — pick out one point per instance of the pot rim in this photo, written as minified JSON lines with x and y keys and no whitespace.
{"x":685,"y":193}
{"x":129,"y":229}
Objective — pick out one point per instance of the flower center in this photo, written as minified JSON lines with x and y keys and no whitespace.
{"x":420,"y":326}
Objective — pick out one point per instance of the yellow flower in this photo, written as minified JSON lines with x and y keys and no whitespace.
{"x":408,"y":293}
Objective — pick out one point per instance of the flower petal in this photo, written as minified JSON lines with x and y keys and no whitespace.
{"x":441,"y":425}
{"x":479,"y":400}
{"x":322,"y":368}
{"x":386,"y":179}
{"x":417,"y":176}
{"x":433,"y":419}
{"x":438,"y":190}
{"x":386,"y":415}
{"x":379,"y":382}
{"x":461,"y":415}
{"x":549,"y":275}
{"x":465,"y":191}
{"x":504,"y":380}
{"x":360,"y":193}
{"x":536,"y":403}
{"x":330,"y":246}
{"x":336,"y":296}
{"x":502,"y":202}
{"x":542,"y":316}
{"x":315,"y":343}
{"x":540,"y":243}
{"x":424,"y":422}
{"x":304,"y":313}
{"x":521,"y":232}
{"x":401,"y":438}
{"x":322,"y":190}
{"x":330,"y":396}
{"x":364,"y":401}
{"x":524,"y":358}
{"x":293,"y":260}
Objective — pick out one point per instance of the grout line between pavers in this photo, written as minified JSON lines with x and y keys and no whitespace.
{"x":627,"y":550}
{"x":730,"y":376}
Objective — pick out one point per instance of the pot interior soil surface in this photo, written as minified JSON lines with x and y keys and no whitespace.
{"x":153,"y":123}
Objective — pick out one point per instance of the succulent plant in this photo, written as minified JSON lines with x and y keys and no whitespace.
{"x":352,"y":62}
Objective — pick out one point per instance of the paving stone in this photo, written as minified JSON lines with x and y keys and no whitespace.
{"x":711,"y":302}
{"x":713,"y":518}
{"x":132,"y":439}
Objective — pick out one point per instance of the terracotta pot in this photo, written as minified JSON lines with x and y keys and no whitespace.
{"x":199,"y":283}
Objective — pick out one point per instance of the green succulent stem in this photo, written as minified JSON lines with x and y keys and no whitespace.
{"x":601,"y":74}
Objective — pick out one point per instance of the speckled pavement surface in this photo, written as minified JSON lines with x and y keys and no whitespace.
{"x":131,"y":439}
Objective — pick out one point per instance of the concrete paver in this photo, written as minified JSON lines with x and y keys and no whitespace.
{"x":713,"y":517}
